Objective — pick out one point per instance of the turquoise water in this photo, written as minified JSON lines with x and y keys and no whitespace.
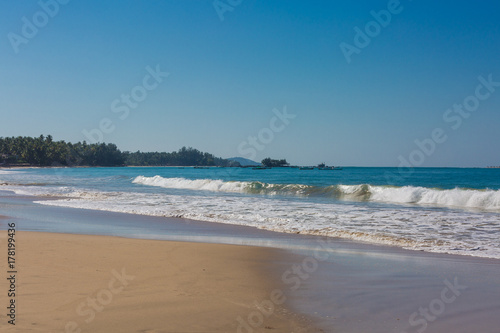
{"x":449,"y":210}
{"x":444,"y":178}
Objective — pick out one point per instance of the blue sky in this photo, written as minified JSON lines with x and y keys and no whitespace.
{"x":227,"y":76}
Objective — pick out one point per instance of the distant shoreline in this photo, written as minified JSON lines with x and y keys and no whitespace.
{"x":101,"y":166}
{"x":214,"y":167}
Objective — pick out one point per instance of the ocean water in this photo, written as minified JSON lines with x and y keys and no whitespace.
{"x":446,"y":210}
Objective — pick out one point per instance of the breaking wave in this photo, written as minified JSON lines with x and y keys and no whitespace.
{"x":457,"y":197}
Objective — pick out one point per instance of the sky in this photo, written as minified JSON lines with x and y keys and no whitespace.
{"x":352,"y":83}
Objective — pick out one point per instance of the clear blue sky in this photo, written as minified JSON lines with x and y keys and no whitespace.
{"x":227,"y":76}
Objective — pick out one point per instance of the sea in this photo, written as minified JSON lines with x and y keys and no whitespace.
{"x":444,"y":210}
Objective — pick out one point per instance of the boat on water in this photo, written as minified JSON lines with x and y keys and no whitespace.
{"x":260,"y":168}
{"x":306,"y":168}
{"x":323,"y":166}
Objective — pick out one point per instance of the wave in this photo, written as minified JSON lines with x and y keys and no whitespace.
{"x":189,"y":184}
{"x":10,"y":172}
{"x":434,"y":230}
{"x":457,"y":197}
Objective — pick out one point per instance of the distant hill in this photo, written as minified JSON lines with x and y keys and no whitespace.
{"x":243,"y":161}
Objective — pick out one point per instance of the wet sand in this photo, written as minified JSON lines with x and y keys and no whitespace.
{"x":342,"y":286}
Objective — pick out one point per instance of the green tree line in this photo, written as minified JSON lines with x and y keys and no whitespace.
{"x":182,"y":157}
{"x":44,"y":151}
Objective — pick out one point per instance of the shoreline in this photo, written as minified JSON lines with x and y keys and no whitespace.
{"x":349,"y":242}
{"x":214,"y":166}
{"x":338,"y":283}
{"x":355,"y":242}
{"x":116,"y":166}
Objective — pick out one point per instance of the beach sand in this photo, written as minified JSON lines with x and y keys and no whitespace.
{"x":80,"y":283}
{"x":351,"y":287}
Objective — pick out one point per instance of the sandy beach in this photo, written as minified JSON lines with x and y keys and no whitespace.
{"x":79,"y":283}
{"x":232,"y":166}
{"x":75,"y":270}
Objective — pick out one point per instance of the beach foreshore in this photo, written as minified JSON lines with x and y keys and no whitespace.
{"x":330,"y":284}
{"x":81,"y":283}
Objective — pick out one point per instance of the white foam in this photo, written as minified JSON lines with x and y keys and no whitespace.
{"x":410,"y":226}
{"x":9,"y":172}
{"x":444,"y":231}
{"x":461,"y":198}
{"x":188,"y":184}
